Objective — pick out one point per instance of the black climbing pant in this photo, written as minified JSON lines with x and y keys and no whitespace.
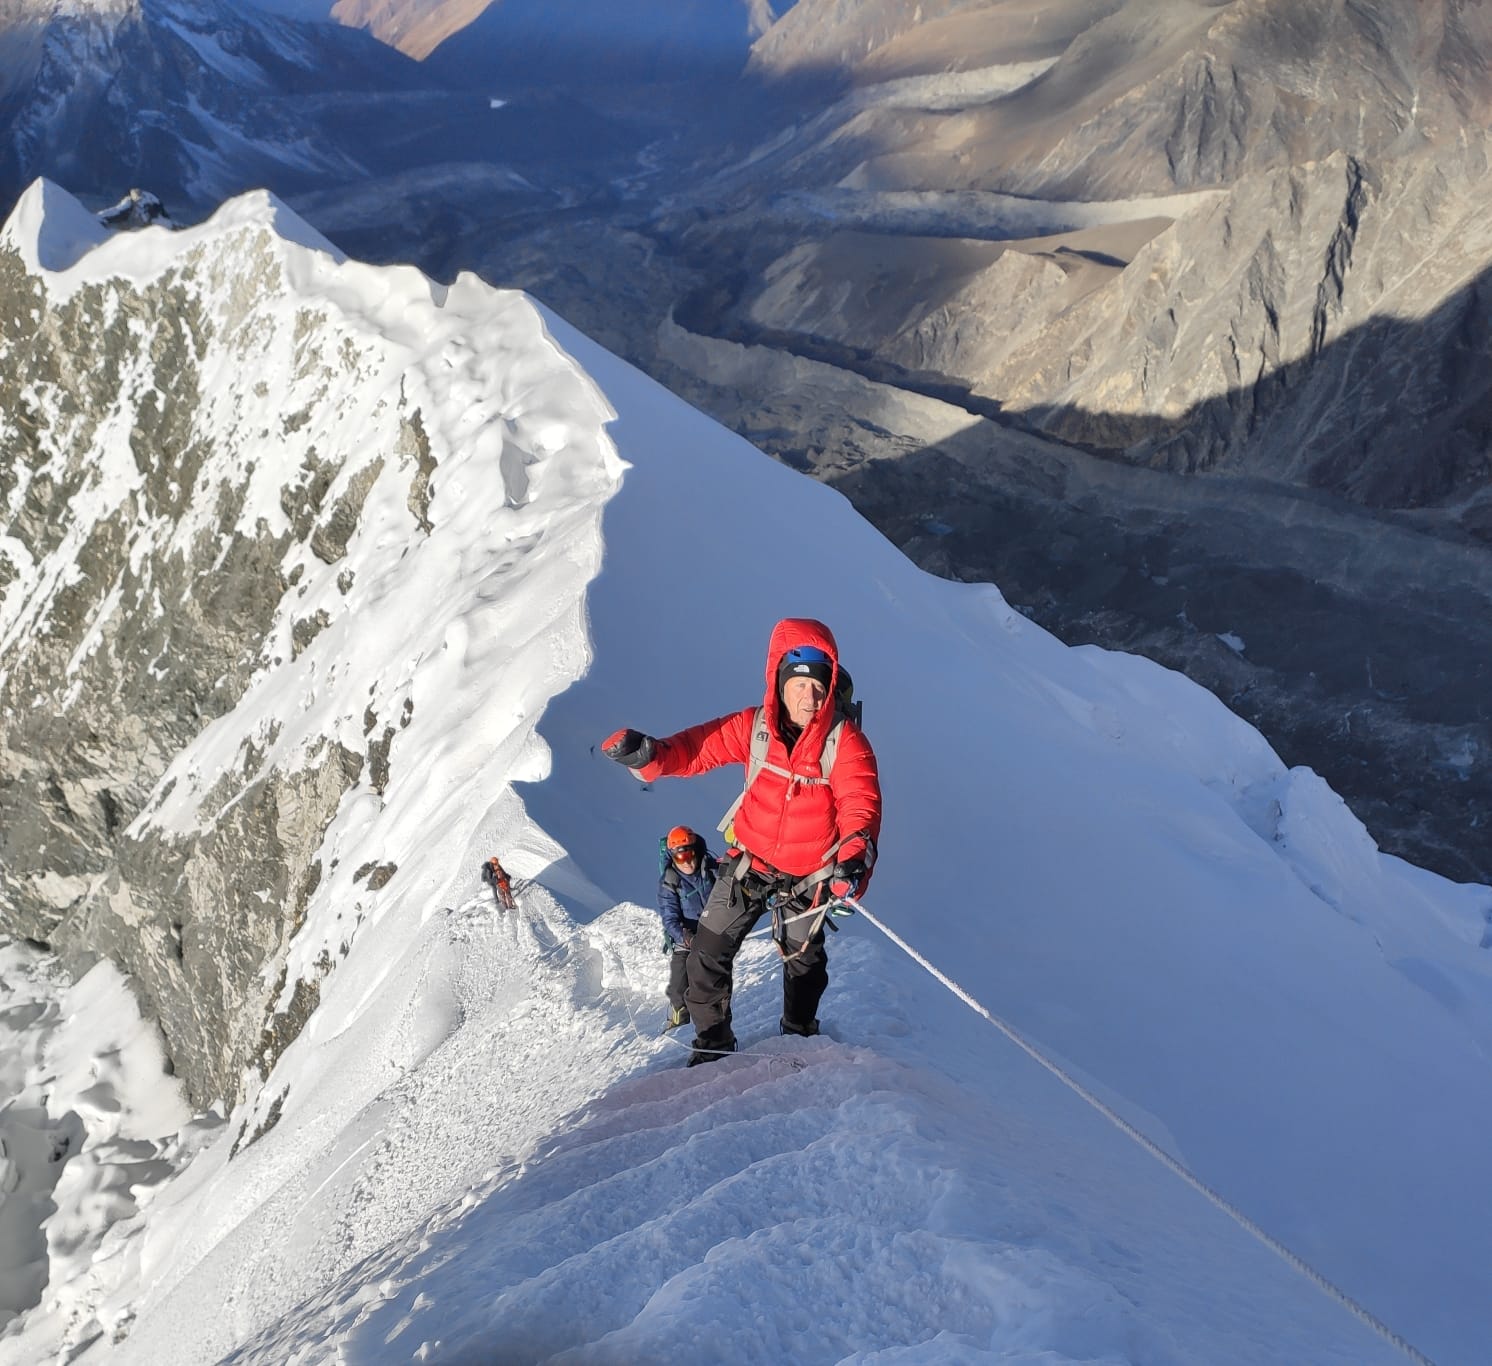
{"x":734,"y":908}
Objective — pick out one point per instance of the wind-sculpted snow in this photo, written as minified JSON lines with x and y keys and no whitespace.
{"x":802,"y":1201}
{"x":360,"y":612}
{"x":88,"y":1131}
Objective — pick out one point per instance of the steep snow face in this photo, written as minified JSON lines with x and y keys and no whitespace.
{"x":447,"y":543}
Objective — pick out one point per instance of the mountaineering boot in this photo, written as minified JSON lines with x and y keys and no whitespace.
{"x":786,"y":1026}
{"x":708,"y":1047}
{"x":679,"y":1015}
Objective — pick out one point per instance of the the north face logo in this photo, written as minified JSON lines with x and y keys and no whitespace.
{"x":801,"y":668}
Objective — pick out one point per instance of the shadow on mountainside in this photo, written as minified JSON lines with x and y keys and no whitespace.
{"x":1394,"y":414}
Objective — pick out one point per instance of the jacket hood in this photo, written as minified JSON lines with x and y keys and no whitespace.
{"x":787,"y":635}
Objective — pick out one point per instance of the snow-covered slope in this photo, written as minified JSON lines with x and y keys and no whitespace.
{"x":479,"y":1147}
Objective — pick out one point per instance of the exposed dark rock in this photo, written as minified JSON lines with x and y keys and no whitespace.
{"x":271,"y":1118}
{"x":376,"y":874}
{"x":194,"y":920}
{"x":416,"y":444}
{"x":378,"y":760}
{"x":304,"y":631}
{"x":158,"y":599}
{"x":329,"y":540}
{"x":138,"y":209}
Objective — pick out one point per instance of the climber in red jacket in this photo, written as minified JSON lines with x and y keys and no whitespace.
{"x":804,"y":831}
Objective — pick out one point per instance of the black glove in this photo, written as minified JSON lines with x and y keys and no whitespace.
{"x":846,"y":878}
{"x":630,"y":748}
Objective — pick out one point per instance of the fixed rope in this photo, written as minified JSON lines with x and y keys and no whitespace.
{"x":1293,"y":1259}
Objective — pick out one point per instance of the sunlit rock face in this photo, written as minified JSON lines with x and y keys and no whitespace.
{"x":188,"y":456}
{"x":1333,"y":219}
{"x":1134,"y":98}
{"x":1315,"y":325}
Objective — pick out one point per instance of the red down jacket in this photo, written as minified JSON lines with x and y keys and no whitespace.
{"x":791,"y":824}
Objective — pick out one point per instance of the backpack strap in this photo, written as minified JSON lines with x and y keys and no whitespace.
{"x":760,"y":740}
{"x":830,"y":751}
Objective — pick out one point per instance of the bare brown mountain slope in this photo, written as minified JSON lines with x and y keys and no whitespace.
{"x":415,"y":27}
{"x":1145,"y":96}
{"x":1203,"y":343}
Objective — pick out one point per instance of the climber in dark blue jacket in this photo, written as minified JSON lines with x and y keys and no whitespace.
{"x":684,"y":886}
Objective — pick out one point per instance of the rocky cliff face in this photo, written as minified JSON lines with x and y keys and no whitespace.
{"x":195,"y":100}
{"x":217,"y":465}
{"x":142,"y":595}
{"x":1131,"y":97}
{"x":1323,"y":325}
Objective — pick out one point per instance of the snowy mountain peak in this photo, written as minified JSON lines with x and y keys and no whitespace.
{"x":50,"y":230}
{"x":196,"y":98}
{"x":286,"y":400}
